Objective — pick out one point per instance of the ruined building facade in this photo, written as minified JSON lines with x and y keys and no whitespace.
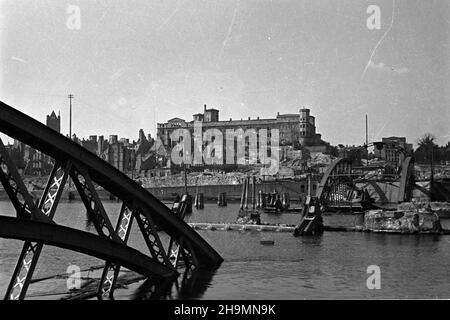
{"x":297,"y":129}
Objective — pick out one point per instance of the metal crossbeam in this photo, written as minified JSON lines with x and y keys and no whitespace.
{"x":189,"y":255}
{"x":92,"y":202}
{"x":14,"y":186}
{"x":111,"y":270}
{"x":54,"y":188}
{"x":29,"y":256}
{"x":103,"y":226}
{"x":34,"y":225}
{"x":181,"y":247}
{"x":181,"y":254}
{"x":83,"y":242}
{"x":20,"y":280}
{"x":19,"y":126}
{"x":174,"y":251}
{"x":151,"y":238}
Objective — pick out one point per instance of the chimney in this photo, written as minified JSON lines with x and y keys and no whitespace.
{"x":113,"y":139}
{"x":248,"y":118}
{"x":100,"y":145}
{"x":204,"y":107}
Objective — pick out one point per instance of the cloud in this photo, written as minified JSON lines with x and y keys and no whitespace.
{"x":380,"y":66}
{"x":18,"y":59}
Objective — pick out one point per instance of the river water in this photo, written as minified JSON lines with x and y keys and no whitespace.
{"x":331,"y":266}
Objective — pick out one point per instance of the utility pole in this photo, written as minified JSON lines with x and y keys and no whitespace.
{"x":70,"y":131}
{"x":367,"y":131}
{"x":185,"y":166}
{"x":185,"y":178}
{"x":70,"y":115}
{"x":367,"y":140}
{"x":432,"y":198}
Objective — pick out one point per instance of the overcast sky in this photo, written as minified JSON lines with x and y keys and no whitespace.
{"x":132,"y":64}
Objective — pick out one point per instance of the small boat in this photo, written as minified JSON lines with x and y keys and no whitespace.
{"x":271,"y":210}
{"x":277,"y":210}
{"x":267,"y":242}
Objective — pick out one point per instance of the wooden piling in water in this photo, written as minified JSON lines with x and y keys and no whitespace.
{"x":263,"y":200}
{"x":243,"y":194}
{"x":247,"y":186}
{"x":199,"y":201}
{"x":222,"y":199}
{"x":253,"y":192}
{"x":259,"y":200}
{"x":286,"y":200}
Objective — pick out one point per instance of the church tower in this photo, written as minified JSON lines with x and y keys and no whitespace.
{"x":54,"y":121}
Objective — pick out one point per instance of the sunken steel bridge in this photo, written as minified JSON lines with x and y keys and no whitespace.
{"x":344,"y":187}
{"x":33,"y":223}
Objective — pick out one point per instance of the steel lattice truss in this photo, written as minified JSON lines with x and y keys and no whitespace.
{"x":336,"y":183}
{"x":34,"y":224}
{"x":339,"y":182}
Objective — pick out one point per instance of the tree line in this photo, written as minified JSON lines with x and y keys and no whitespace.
{"x":428,"y":151}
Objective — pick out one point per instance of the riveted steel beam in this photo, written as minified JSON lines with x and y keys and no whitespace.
{"x":29,"y":256}
{"x":151,"y":237}
{"x":111,"y":270}
{"x":35,"y":134}
{"x":14,"y":186}
{"x":83,"y":242}
{"x":92,"y":202}
{"x":180,"y":247}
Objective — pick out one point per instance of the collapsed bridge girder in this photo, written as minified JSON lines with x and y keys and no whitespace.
{"x":89,"y":171}
{"x":340,"y":178}
{"x":83,"y":242}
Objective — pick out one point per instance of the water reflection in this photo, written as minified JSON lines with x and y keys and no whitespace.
{"x":189,"y":285}
{"x":90,"y":219}
{"x":410,"y":240}
{"x":333,"y":265}
{"x":311,"y":240}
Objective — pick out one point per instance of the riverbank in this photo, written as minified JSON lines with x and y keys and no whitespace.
{"x":296,"y":189}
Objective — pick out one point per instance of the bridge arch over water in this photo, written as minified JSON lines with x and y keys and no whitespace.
{"x":33,"y":223}
{"x":341,"y":179}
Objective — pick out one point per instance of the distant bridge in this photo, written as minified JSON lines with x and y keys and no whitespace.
{"x":341,"y":180}
{"x":34,"y":224}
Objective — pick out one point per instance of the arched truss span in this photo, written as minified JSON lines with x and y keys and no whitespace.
{"x":339,"y":181}
{"x":186,"y":249}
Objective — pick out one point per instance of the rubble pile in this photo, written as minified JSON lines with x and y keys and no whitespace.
{"x":441,"y":208}
{"x":399,"y":221}
{"x":193,"y":179}
{"x":320,"y":159}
